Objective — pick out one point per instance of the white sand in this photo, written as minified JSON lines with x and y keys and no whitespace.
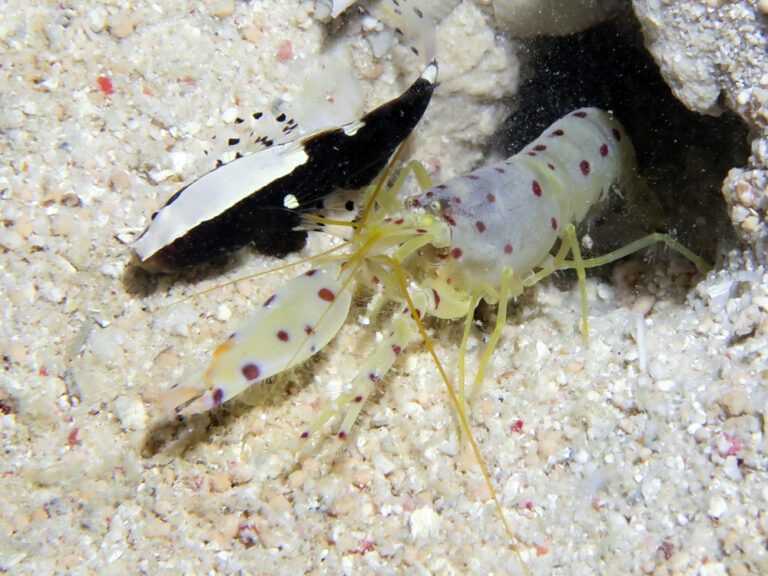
{"x":625,"y":463}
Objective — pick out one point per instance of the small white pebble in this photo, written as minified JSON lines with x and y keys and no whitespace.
{"x":338,"y":6}
{"x":743,"y":97}
{"x":51,"y":292}
{"x":713,"y":569}
{"x":657,"y":370}
{"x":64,"y":403}
{"x":665,"y":385}
{"x":717,"y":507}
{"x":581,"y":457}
{"x":383,"y":464}
{"x":650,"y":490}
{"x":11,"y":239}
{"x":229,"y":115}
{"x":131,"y":413}
{"x":693,"y":428}
{"x":223,"y":313}
{"x":180,"y":330}
{"x":112,"y":269}
{"x":223,"y":8}
{"x":96,"y":18}
{"x":369,"y":23}
{"x":605,"y":292}
{"x":422,"y":522}
{"x":121,"y":25}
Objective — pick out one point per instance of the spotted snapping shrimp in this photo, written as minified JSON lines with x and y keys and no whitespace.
{"x":486,"y":235}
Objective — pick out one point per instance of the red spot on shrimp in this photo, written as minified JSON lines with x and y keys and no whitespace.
{"x":557,"y":132}
{"x":604,"y":150}
{"x":218,"y":396}
{"x":551,"y":166}
{"x":536,"y":188}
{"x":553,"y":223}
{"x":540,"y":148}
{"x":399,"y":221}
{"x":373,"y":377}
{"x":326,"y":295}
{"x":480,"y":226}
{"x":490,"y":197}
{"x":451,"y":221}
{"x":436,"y":296}
{"x":580,"y":114}
{"x":533,"y":154}
{"x":283,"y":336}
{"x":616,"y":134}
{"x":499,"y":169}
{"x":358,"y":399}
{"x":375,"y":280}
{"x":305,"y":434}
{"x":517,"y":426}
{"x":311,"y":272}
{"x":472,"y":177}
{"x":270,"y":300}
{"x":251,"y":371}
{"x":584,"y":165}
{"x":105,"y":84}
{"x":309,"y":330}
{"x":456,"y":253}
{"x":342,"y":435}
{"x":456,"y":200}
{"x":507,"y":248}
{"x":397,"y":349}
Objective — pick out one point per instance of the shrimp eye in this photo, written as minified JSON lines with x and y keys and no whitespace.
{"x":437,"y":206}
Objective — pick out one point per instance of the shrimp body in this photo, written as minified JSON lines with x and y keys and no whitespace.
{"x":510,"y":214}
{"x":486,"y":235}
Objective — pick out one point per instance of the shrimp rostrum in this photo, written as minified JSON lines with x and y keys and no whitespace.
{"x":485,"y":235}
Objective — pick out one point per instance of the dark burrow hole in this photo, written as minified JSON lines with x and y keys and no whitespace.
{"x":683,"y":156}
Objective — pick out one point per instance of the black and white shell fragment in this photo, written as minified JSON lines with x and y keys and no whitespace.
{"x":258,"y":198}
